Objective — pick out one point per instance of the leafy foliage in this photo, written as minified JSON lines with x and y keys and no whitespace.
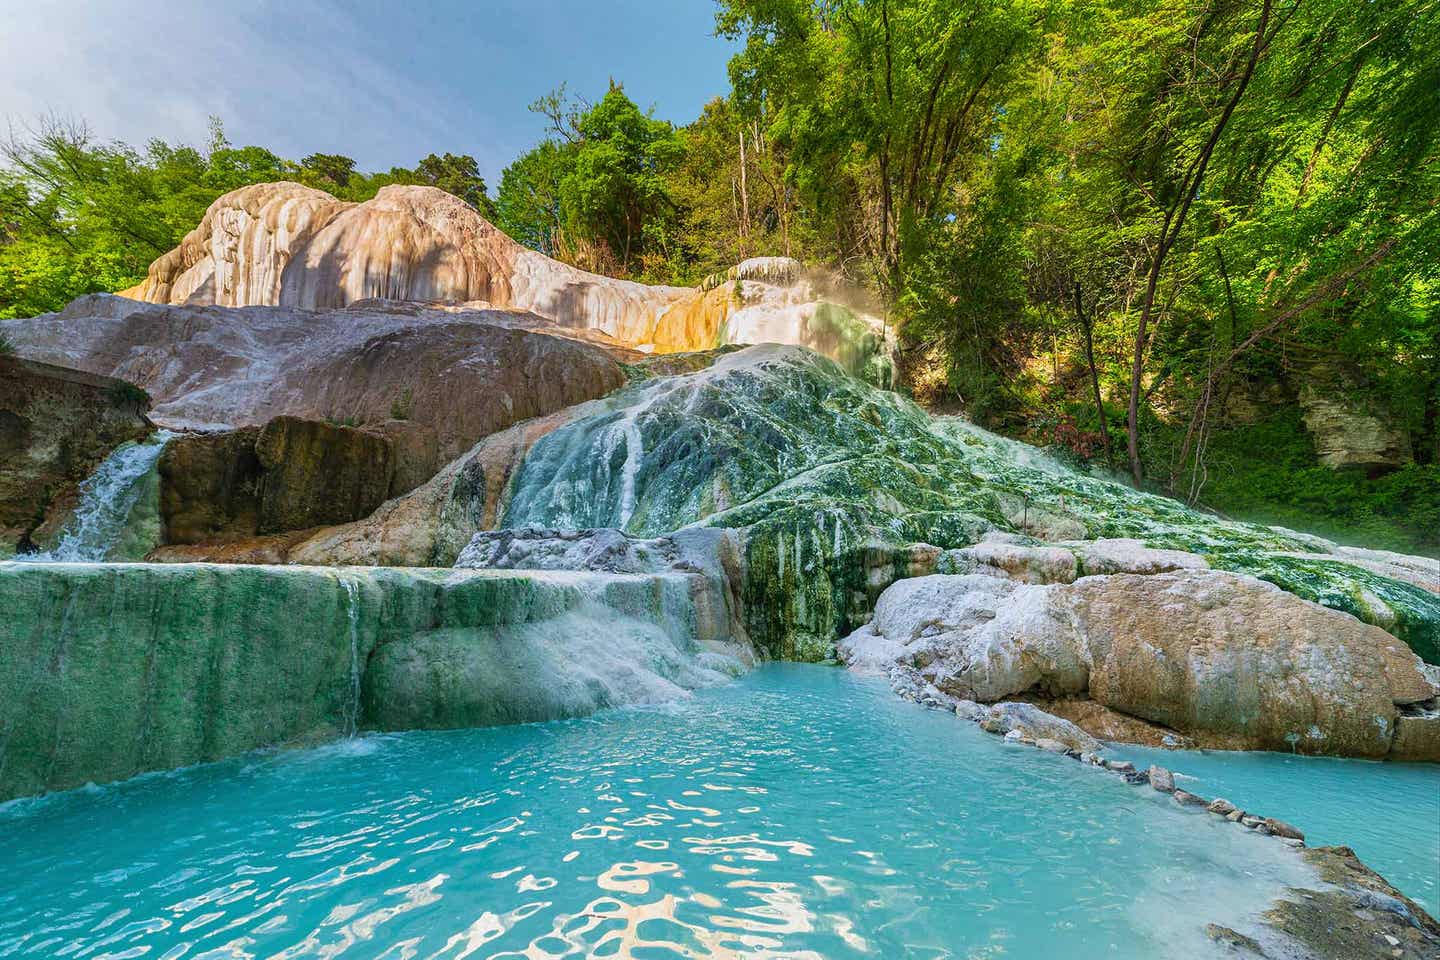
{"x":595,"y":193}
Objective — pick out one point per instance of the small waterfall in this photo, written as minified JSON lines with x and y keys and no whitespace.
{"x":352,"y":706}
{"x":107,"y":498}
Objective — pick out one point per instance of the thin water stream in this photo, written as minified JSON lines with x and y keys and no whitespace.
{"x":108,"y":497}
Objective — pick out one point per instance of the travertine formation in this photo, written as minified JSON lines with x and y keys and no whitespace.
{"x":1224,"y":659}
{"x":107,"y":670}
{"x":433,"y":379}
{"x":284,"y":244}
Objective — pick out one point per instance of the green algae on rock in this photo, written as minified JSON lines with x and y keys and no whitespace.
{"x":841,"y":488}
{"x":108,"y":670}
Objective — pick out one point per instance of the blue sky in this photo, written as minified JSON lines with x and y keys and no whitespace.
{"x":383,"y":82}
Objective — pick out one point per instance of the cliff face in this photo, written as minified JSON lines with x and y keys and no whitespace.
{"x":56,"y":425}
{"x":284,"y":244}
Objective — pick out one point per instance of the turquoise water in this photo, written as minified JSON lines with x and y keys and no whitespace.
{"x":799,"y":812}
{"x":1388,"y":813}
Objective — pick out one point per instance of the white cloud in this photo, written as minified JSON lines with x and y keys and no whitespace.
{"x":296,"y":77}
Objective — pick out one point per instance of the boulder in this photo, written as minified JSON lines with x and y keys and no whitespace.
{"x":56,"y":426}
{"x":1212,"y":655}
{"x":1032,"y":723}
{"x":209,"y":487}
{"x":1417,"y":735}
{"x":1280,"y":828}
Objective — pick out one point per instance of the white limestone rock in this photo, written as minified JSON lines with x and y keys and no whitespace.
{"x":1207,"y":653}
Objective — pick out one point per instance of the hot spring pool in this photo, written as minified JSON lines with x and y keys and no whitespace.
{"x":800,"y":812}
{"x":1389,"y":813}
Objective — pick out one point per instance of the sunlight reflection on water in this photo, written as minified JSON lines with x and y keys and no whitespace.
{"x":798,"y":813}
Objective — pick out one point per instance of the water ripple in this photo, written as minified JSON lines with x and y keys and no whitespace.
{"x":799,"y":813}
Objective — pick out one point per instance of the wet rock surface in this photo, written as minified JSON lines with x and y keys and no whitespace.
{"x":108,"y":670}
{"x":56,"y":426}
{"x":289,"y":475}
{"x":1359,"y":918}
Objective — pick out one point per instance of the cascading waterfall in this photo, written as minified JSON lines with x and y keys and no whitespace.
{"x":352,"y":706}
{"x":107,"y":498}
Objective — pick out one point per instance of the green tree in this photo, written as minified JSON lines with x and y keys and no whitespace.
{"x":458,"y":176}
{"x":328,"y":169}
{"x":595,"y":192}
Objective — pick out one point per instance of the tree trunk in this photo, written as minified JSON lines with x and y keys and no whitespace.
{"x":1085,"y":329}
{"x":1170,"y":233}
{"x":744,"y":201}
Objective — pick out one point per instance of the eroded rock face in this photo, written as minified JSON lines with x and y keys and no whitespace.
{"x":56,"y":426}
{"x":434,"y":380}
{"x":1205,"y":653}
{"x":1347,"y":435}
{"x":288,"y":475}
{"x":284,"y":244}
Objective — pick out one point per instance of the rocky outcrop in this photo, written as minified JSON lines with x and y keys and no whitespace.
{"x":107,"y":670}
{"x":1353,"y":913}
{"x":209,"y":487}
{"x":283,"y":244}
{"x":1205,"y":653}
{"x":315,"y":474}
{"x":288,"y":475}
{"x":433,"y":380}
{"x":837,"y":489}
{"x":1346,"y":433}
{"x":56,"y":426}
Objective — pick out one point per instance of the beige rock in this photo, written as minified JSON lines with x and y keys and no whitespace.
{"x":1161,"y":779}
{"x":1221,"y":653}
{"x":1023,"y":563}
{"x":1225,"y":659}
{"x":1027,"y":722}
{"x":287,"y":244}
{"x":1346,"y":435}
{"x":1130,"y":556}
{"x":1417,"y":736}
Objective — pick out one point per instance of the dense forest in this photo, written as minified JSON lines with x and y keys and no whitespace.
{"x":1157,"y":235}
